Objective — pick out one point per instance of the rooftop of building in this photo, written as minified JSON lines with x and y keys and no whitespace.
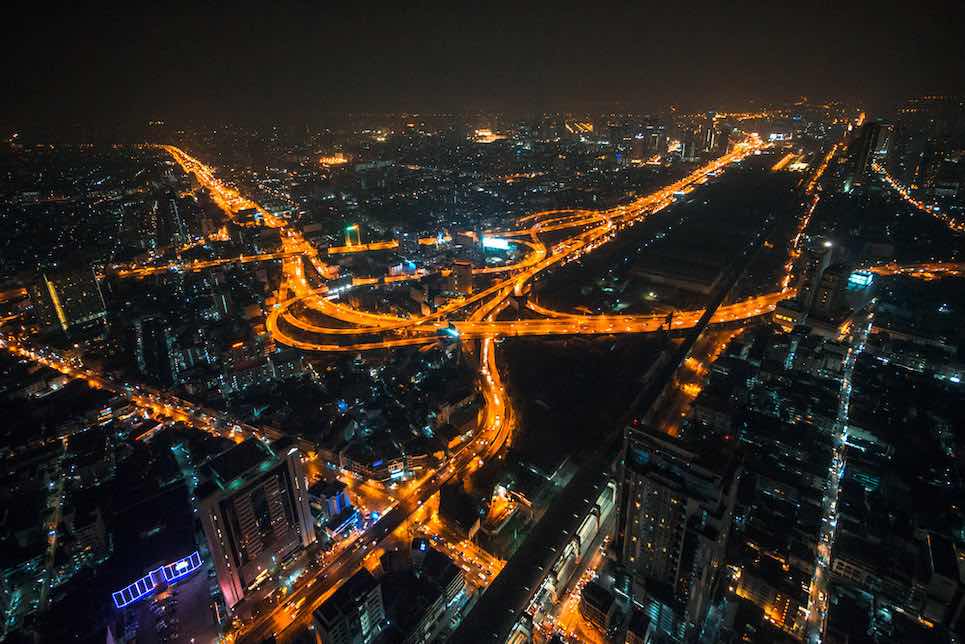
{"x":598,"y":596}
{"x":349,"y":594}
{"x":698,"y":454}
{"x":325,"y":488}
{"x":407,"y":598}
{"x":230,"y":467}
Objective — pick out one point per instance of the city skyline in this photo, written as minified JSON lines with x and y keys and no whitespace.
{"x":504,"y":324}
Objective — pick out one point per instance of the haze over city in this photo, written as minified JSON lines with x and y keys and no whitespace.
{"x":482,"y":323}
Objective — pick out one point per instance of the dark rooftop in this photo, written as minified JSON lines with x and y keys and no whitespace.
{"x":238,"y":460}
{"x":359,"y":585}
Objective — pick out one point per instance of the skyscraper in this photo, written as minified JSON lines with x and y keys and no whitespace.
{"x":462,"y":276}
{"x":815,"y":259}
{"x":829,"y":295}
{"x":678,"y":500}
{"x":863,"y":151}
{"x":708,"y":133}
{"x":655,"y":138}
{"x":69,"y":301}
{"x":254,"y":512}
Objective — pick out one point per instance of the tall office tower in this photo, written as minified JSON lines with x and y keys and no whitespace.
{"x":815,"y":259}
{"x":678,"y":501}
{"x":69,"y":301}
{"x":688,"y":147}
{"x":354,"y":614}
{"x":927,"y":128}
{"x":886,"y":136}
{"x":929,"y":163}
{"x":254,"y":512}
{"x":708,"y":133}
{"x":655,"y":138}
{"x":601,"y":128}
{"x":462,"y":276}
{"x":829,"y":295}
{"x":863,"y":152}
{"x":903,"y":154}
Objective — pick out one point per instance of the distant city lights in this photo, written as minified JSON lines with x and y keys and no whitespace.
{"x":339,"y":158}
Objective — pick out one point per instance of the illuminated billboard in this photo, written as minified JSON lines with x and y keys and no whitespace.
{"x":495,"y":243}
{"x":860,"y":279}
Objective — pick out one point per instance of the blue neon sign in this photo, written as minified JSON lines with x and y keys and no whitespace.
{"x":168,"y":574}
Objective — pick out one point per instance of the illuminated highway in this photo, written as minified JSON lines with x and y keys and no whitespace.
{"x":932,"y":210}
{"x":295,"y":294}
{"x":592,"y":228}
{"x":200,"y":265}
{"x":155,"y":402}
{"x":925,"y":271}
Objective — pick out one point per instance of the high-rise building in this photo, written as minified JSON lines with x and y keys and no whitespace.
{"x":678,"y":501}
{"x":864,"y":150}
{"x":655,"y":138}
{"x":597,"y":605}
{"x":814,"y":261}
{"x":355,"y":614}
{"x":885,"y":137}
{"x":829,"y":295}
{"x":462,"y":276}
{"x":69,"y":301}
{"x":254,"y":512}
{"x":688,"y":145}
{"x":708,"y":133}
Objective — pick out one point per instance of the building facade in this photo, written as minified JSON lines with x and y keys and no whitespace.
{"x":676,"y":514}
{"x":255,"y":514}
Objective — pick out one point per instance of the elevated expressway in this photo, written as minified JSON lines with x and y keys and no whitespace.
{"x":359,"y":330}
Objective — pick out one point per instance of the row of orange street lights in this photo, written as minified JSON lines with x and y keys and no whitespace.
{"x":932,"y":210}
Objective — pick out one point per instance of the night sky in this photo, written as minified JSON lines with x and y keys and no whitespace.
{"x":205,"y":60}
